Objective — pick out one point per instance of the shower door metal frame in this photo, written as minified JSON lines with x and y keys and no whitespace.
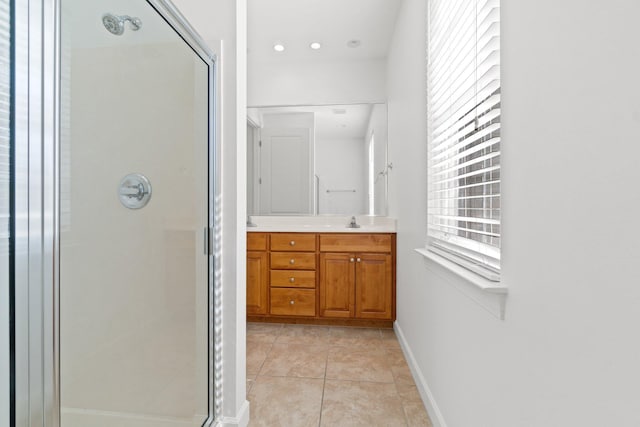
{"x":36,"y":373}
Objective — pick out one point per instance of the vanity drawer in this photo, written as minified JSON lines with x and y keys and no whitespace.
{"x":293,"y":279}
{"x":293,"y":242}
{"x":355,"y":242}
{"x":256,"y":241}
{"x":293,"y":302}
{"x":293,"y":261}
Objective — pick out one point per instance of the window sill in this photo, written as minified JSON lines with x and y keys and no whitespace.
{"x":490,"y":295}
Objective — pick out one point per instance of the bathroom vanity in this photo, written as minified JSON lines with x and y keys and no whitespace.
{"x":314,"y":270}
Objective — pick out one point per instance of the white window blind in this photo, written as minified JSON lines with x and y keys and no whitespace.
{"x":464,"y":133}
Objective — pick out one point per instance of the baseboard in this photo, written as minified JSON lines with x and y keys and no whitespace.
{"x":240,"y":420}
{"x":425,"y":393}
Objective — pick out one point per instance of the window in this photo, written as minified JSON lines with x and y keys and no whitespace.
{"x":464,"y":133}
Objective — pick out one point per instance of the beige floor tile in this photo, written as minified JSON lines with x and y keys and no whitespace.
{"x":251,"y":379}
{"x":295,"y":360}
{"x":396,"y":357}
{"x":402,"y":375}
{"x":286,"y":402}
{"x":355,"y":337}
{"x":352,"y":403}
{"x":256,"y":354}
{"x":266,"y":332}
{"x":389,"y":339}
{"x":358,"y":364}
{"x":304,"y":334}
{"x":413,"y":406}
{"x":399,"y":367}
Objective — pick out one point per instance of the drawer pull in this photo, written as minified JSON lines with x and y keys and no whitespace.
{"x":292,"y":279}
{"x":359,"y":260}
{"x":292,"y":302}
{"x":351,"y":260}
{"x":292,"y":261}
{"x":292,"y":243}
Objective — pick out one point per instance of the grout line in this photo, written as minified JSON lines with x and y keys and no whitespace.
{"x":324,"y":385}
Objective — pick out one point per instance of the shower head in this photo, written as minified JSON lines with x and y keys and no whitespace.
{"x":115,"y":24}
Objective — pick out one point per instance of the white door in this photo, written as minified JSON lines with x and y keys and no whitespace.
{"x":286,"y":165}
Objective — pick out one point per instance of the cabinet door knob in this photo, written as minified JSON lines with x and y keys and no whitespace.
{"x":292,"y":243}
{"x":292,"y":302}
{"x":292,"y":261}
{"x":359,"y":260}
{"x":351,"y":260}
{"x":292,"y":279}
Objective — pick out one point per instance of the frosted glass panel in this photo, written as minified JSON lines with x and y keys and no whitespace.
{"x":133,"y":282}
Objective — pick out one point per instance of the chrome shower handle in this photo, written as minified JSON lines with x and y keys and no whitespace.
{"x":134,"y":191}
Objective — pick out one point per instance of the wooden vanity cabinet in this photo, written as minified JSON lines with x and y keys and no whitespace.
{"x":292,"y":274}
{"x":326,"y":278}
{"x":257,"y":273}
{"x":337,"y":285}
{"x":357,"y":284}
{"x":374,"y":293}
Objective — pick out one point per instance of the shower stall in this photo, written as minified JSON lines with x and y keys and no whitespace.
{"x":117,"y":228}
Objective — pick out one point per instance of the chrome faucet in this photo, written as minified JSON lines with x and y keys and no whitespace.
{"x":353,"y":223}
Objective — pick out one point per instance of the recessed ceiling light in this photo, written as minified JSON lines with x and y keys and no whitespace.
{"x":354,"y":43}
{"x":315,"y":45}
{"x":278,"y":47}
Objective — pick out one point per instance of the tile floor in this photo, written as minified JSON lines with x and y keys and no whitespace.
{"x":301,"y":375}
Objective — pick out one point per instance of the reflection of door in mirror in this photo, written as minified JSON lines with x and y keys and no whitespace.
{"x":286,"y":159}
{"x":280,"y":164}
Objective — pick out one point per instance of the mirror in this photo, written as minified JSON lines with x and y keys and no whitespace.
{"x":317,"y":160}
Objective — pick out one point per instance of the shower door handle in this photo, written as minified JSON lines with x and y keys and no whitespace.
{"x":208,"y":244}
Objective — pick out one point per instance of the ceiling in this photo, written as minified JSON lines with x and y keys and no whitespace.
{"x":297,"y":23}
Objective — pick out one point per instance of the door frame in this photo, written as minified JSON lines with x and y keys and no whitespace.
{"x":35,"y":352}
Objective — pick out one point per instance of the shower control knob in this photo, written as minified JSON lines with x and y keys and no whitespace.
{"x":134,"y":191}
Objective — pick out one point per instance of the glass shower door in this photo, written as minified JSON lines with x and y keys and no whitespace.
{"x":134,"y":286}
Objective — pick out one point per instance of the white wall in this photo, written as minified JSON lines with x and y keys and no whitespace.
{"x":566,"y":353}
{"x":315,"y":82}
{"x":340,"y":164}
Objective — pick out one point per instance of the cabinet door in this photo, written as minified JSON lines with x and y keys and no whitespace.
{"x":257,"y":282}
{"x":337,"y":285}
{"x":373,"y":286}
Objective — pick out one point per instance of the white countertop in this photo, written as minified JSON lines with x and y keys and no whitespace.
{"x":322,"y":224}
